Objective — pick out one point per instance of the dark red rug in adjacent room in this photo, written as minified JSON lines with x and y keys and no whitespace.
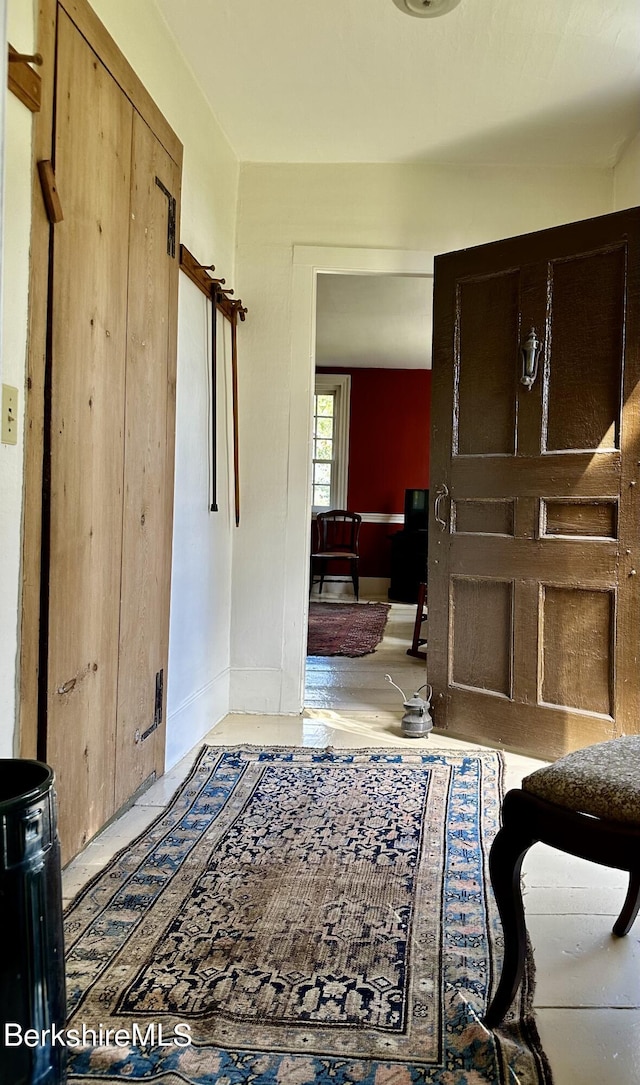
{"x":345,"y":629}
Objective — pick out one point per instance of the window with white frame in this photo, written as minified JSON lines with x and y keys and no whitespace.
{"x":330,"y":441}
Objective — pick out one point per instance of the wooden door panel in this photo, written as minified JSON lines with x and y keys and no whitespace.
{"x":489,"y":719}
{"x":481,"y":634}
{"x":579,"y":519}
{"x":490,"y":348}
{"x":148,"y":470}
{"x":586,"y":302}
{"x":87,"y":417}
{"x":576,"y":659}
{"x":534,"y":606}
{"x":571,"y":474}
{"x":592,"y":563}
{"x":483,"y":517}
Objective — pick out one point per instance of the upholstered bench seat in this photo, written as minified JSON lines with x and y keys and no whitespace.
{"x":601,"y":780}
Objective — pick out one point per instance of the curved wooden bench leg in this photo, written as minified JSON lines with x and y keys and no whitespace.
{"x":505,"y":862}
{"x":631,"y":906}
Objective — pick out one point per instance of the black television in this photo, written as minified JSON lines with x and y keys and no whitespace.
{"x":416,"y":510}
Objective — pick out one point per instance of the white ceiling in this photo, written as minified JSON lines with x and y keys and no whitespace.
{"x":552,"y":82}
{"x":513,"y":81}
{"x":374,"y":321}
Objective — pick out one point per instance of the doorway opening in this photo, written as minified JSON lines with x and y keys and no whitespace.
{"x":370,"y":450}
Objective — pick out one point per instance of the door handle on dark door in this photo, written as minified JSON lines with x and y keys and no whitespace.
{"x":441,"y":493}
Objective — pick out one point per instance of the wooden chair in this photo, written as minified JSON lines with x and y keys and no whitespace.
{"x":338,"y":533}
{"x":586,"y":804}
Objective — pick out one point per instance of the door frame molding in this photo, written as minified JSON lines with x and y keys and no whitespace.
{"x":99,"y":39}
{"x":308,"y":262}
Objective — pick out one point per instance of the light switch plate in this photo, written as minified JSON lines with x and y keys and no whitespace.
{"x":9,"y":435}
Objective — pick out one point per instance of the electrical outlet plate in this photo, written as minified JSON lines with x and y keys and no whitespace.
{"x":9,"y":435}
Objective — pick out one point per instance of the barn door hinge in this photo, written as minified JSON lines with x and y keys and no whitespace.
{"x":171,"y":218}
{"x":157,"y":706}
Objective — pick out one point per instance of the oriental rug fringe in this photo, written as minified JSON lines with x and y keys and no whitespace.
{"x":345,"y":629}
{"x":302,"y":916}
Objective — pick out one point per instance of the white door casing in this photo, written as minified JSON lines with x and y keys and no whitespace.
{"x":307,"y":263}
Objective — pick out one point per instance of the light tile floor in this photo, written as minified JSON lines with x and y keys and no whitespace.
{"x":588,"y":983}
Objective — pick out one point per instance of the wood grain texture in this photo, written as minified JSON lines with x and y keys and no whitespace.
{"x":25,"y":82}
{"x":485,"y":408}
{"x":564,"y":559}
{"x":148,"y":469}
{"x":105,"y":47}
{"x":569,"y":474}
{"x":575,"y":562}
{"x":583,"y":519}
{"x":586,"y":315}
{"x":627,"y":659}
{"x":50,"y":193}
{"x":527,"y":640}
{"x":89,"y":340}
{"x":577,"y":649}
{"x":527,"y":517}
{"x":483,"y":517}
{"x":556,"y":730}
{"x":482,"y":634}
{"x":93,"y":31}
{"x":533,"y":316}
{"x":440,"y":456}
{"x":34,"y":403}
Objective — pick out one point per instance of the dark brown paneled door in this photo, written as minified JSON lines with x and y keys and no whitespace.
{"x":534,"y":539}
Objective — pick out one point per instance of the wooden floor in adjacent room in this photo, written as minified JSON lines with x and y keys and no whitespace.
{"x":359,"y":684}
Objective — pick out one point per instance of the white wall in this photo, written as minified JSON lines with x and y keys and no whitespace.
{"x":626,"y":177}
{"x":200,"y":610}
{"x":389,"y":207}
{"x":15,"y":283}
{"x":198,"y":694}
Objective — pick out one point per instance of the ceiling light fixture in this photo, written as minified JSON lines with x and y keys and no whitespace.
{"x":426,"y":9}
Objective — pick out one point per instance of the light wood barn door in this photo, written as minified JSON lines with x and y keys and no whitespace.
{"x":534,"y":541}
{"x":148,"y":467}
{"x":112,"y":386}
{"x":89,"y":344}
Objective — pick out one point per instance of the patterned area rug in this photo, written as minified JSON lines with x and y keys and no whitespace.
{"x":345,"y":629}
{"x":302,"y":916}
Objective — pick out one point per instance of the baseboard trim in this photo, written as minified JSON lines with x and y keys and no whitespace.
{"x":198,"y":713}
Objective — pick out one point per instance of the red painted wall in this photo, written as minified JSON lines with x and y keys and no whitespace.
{"x":388,"y":451}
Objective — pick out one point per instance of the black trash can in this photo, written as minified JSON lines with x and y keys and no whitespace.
{"x":32,"y":984}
